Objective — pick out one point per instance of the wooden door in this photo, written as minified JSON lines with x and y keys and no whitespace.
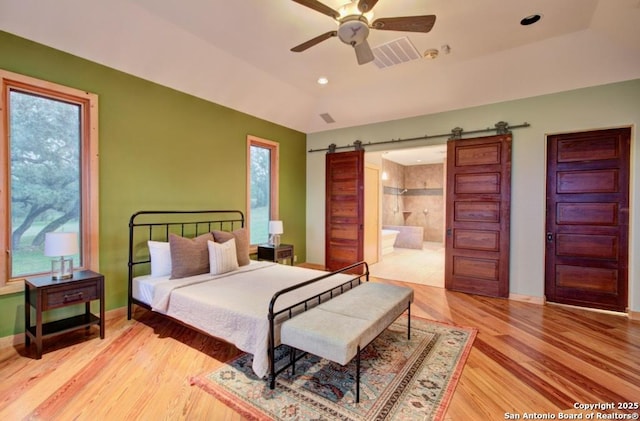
{"x":477,"y":215}
{"x":344,"y":232}
{"x":586,"y":260}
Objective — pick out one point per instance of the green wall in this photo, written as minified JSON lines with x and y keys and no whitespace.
{"x":159,"y":149}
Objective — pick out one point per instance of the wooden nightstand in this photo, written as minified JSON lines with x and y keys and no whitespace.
{"x":275,"y":254}
{"x":43,"y":293}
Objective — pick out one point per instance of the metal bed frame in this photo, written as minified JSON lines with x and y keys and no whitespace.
{"x":157,"y":225}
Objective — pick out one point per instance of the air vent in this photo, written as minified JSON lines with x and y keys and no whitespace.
{"x":327,"y":118}
{"x":395,"y":52}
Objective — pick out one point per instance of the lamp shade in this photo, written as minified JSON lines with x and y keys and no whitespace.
{"x":60,"y":244}
{"x":276,"y":227}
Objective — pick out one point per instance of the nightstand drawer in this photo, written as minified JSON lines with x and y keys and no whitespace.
{"x":285,"y":254}
{"x":61,"y":297}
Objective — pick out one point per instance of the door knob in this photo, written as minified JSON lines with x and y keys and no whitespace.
{"x":549,"y":237}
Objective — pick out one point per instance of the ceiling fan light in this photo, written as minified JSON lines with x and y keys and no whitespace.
{"x":353,"y":31}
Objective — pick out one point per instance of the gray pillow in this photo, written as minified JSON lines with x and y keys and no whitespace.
{"x":242,"y":243}
{"x":189,"y":256}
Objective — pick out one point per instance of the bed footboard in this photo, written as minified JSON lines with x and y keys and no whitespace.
{"x":308,"y":303}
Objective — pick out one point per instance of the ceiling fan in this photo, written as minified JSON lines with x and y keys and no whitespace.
{"x":354,"y":22}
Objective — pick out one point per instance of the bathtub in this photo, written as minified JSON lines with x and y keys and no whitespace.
{"x":408,"y":237}
{"x":388,"y":239}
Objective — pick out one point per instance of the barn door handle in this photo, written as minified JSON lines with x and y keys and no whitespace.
{"x":549,"y":237}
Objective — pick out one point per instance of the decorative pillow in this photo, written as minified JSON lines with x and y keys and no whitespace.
{"x":222,"y":257}
{"x":189,"y":256}
{"x":160,"y":255}
{"x":242,"y":243}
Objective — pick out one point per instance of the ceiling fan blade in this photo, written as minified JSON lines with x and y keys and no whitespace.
{"x":366,"y":5}
{"x":408,"y":23}
{"x":364,"y":53}
{"x":319,"y":7}
{"x":314,"y":41}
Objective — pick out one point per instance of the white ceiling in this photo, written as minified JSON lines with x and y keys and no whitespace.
{"x":236,"y":52}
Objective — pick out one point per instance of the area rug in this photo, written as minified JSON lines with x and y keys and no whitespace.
{"x":400,"y":379}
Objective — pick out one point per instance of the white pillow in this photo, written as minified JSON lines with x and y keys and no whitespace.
{"x":222,"y":256}
{"x":160,"y":254}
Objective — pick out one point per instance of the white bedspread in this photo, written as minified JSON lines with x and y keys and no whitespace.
{"x":235,"y":306}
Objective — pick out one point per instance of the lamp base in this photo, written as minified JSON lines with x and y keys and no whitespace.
{"x":62,"y":269}
{"x":274,"y":240}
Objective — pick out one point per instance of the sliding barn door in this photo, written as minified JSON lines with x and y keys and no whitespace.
{"x":344,"y":232}
{"x":588,"y":219}
{"x":477,"y":215}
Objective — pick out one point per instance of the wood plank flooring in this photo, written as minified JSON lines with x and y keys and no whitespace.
{"x":527,"y":359}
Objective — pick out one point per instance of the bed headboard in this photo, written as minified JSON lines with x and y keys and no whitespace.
{"x":157,"y":225}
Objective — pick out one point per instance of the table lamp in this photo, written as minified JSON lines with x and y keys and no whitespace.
{"x":61,"y":244}
{"x":275,"y":229}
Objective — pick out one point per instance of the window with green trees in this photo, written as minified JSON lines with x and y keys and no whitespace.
{"x":49,"y":157}
{"x":262,"y":190}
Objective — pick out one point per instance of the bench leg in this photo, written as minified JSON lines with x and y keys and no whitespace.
{"x":292,"y":360}
{"x":409,"y":321}
{"x":358,"y":376}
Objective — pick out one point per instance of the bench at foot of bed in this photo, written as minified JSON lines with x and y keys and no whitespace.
{"x":340,"y":328}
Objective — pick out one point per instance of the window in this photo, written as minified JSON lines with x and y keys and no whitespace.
{"x":262,"y":188}
{"x":49,"y":178}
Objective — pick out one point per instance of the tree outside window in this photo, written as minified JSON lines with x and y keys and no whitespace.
{"x":262,"y":190}
{"x":45,"y":176}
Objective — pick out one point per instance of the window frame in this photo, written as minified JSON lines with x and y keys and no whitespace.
{"x":274,"y":198}
{"x":89,"y":173}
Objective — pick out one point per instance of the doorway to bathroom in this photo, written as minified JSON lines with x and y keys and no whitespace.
{"x":412,"y":214}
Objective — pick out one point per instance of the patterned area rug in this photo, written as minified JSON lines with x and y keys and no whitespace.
{"x":400,"y":379}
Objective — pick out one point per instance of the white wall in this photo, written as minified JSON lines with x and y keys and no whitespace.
{"x":607,"y":106}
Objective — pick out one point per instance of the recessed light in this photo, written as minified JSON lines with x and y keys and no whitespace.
{"x":323,"y":80}
{"x":530,"y":20}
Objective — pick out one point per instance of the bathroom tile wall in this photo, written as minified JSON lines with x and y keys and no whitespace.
{"x":423,"y":202}
{"x":392,"y":204}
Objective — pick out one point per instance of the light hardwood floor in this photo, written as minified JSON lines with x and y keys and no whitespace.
{"x":526,"y":358}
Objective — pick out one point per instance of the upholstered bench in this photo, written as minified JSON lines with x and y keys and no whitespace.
{"x":340,"y":328}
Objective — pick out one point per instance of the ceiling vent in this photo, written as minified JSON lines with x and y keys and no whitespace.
{"x":395,"y":52}
{"x":327,"y":118}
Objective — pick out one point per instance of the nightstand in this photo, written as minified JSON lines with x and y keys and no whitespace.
{"x":43,"y":293}
{"x":275,"y":254}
